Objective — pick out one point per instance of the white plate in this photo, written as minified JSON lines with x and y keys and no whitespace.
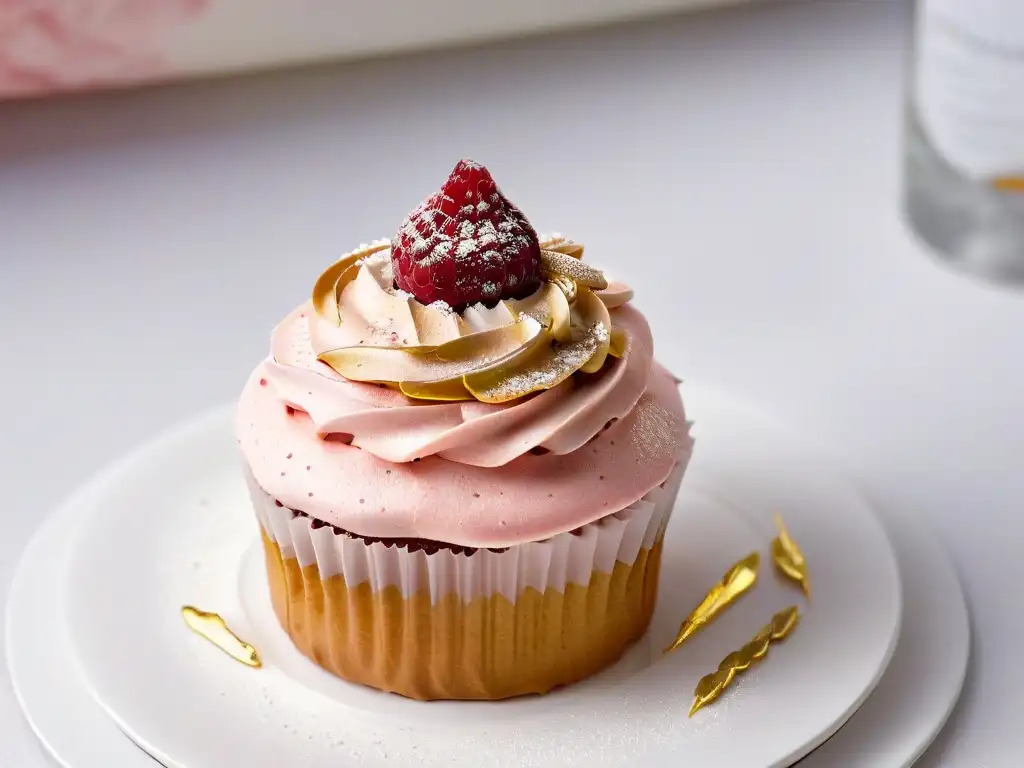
{"x":176,"y":526}
{"x":72,"y":728}
{"x":917,"y":694}
{"x":892,"y":728}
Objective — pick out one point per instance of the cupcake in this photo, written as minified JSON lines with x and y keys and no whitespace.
{"x":462,"y":457}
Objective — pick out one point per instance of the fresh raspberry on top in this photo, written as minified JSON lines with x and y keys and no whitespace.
{"x":466,"y":244}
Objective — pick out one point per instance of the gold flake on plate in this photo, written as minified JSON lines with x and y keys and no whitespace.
{"x":213,"y":628}
{"x":712,"y":685}
{"x":735,"y":583}
{"x":789,"y":560}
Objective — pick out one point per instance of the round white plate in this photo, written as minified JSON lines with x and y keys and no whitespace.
{"x":72,"y":728}
{"x":891,"y":729}
{"x":176,"y":527}
{"x":922,"y":684}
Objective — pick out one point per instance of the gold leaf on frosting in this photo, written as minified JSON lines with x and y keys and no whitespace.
{"x":566,"y":285}
{"x":549,"y":368}
{"x":375,"y":364}
{"x":551,"y":240}
{"x":548,"y":306}
{"x":439,"y":364}
{"x":536,"y":337}
{"x":487,"y":347}
{"x":447,"y":390}
{"x":712,"y":685}
{"x":326,"y":290}
{"x":432,"y":327}
{"x":570,"y":249}
{"x":477,"y":317}
{"x":617,"y":343}
{"x":562,"y":245}
{"x":555,"y":263}
{"x":594,"y":314}
{"x":789,"y":559}
{"x":494,"y":354}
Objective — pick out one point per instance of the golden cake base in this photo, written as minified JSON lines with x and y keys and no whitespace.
{"x":484,"y":648}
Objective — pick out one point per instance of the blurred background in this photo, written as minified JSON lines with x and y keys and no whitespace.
{"x":763,"y":171}
{"x":48,"y":47}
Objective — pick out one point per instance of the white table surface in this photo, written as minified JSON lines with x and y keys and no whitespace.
{"x":742,"y":168}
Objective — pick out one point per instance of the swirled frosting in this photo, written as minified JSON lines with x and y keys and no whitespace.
{"x":390,"y":456}
{"x":373,"y":332}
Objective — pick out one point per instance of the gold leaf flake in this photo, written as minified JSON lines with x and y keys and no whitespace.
{"x":617,"y":343}
{"x":566,"y":285}
{"x":211,"y":627}
{"x":379,"y":364}
{"x":556,"y":263}
{"x":485,"y":348}
{"x":784,"y":622}
{"x":433,"y":327}
{"x":328,"y":286}
{"x":712,"y":685}
{"x":437,"y":365}
{"x":575,"y":250}
{"x":381,"y":335}
{"x":562,"y":245}
{"x":736,"y":582}
{"x":591,"y":313}
{"x":444,"y":391}
{"x":548,"y":306}
{"x":551,"y":366}
{"x":789,"y":560}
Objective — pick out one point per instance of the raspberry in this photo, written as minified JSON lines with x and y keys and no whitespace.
{"x":466,"y":244}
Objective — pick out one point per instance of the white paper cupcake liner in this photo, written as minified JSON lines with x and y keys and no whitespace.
{"x":541,"y":565}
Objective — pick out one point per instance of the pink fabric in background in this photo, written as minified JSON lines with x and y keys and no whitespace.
{"x":52,"y":46}
{"x":58,"y":45}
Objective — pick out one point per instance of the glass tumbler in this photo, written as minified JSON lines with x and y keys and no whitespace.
{"x":964,"y":149}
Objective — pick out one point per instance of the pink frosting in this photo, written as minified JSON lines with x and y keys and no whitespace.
{"x":344,"y":451}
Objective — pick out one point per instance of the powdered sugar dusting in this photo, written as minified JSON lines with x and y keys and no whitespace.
{"x":433,"y":236}
{"x":467,"y":243}
{"x":575,"y":269}
{"x":379,"y":265}
{"x":442,"y":307}
{"x":562,"y":362}
{"x":658,"y":430}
